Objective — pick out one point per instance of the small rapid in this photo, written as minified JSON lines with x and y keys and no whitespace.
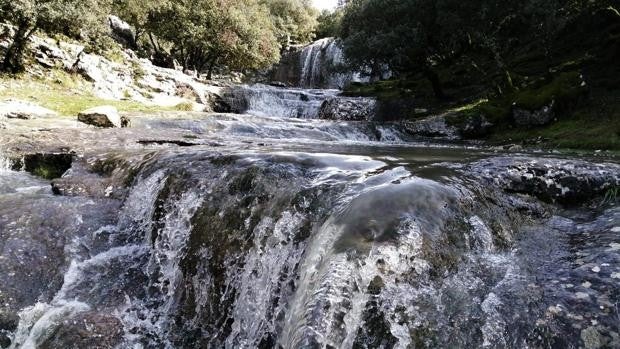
{"x":265,"y":100}
{"x":288,"y":249}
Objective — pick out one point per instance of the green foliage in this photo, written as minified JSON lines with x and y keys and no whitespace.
{"x":75,"y":18}
{"x":612,"y":195}
{"x":208,"y":33}
{"x":329,"y":23}
{"x":137,"y":70}
{"x":294,"y":20}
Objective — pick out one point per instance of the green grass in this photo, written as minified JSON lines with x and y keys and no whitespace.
{"x":64,"y":93}
{"x":184,"y":106}
{"x":586,"y":128}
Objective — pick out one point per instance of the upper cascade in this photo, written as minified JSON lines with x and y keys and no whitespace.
{"x":317,"y":65}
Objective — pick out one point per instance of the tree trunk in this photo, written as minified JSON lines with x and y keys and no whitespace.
{"x":154,"y":43}
{"x":13,"y":58}
{"x":433,"y":78}
{"x":211,"y":67}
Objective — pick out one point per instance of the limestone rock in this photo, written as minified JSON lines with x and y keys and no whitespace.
{"x":16,"y":109}
{"x":559,"y":180}
{"x":348,"y":109}
{"x":122,"y":32}
{"x":103,"y":116}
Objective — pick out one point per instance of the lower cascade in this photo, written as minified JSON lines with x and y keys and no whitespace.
{"x":245,"y":249}
{"x":275,"y":229}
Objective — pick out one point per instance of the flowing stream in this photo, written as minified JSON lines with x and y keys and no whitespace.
{"x":265,"y":231}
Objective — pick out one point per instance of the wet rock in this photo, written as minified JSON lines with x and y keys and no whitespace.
{"x":217,"y":104}
{"x":44,"y":165}
{"x":103,"y":116}
{"x":180,"y":143}
{"x":348,"y":109}
{"x":592,"y":338}
{"x":86,"y":330}
{"x":564,"y":181}
{"x":434,"y":127}
{"x":470,"y":126}
{"x":528,"y":118}
{"x":8,"y":324}
{"x":16,"y":109}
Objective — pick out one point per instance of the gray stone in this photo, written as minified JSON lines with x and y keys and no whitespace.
{"x":592,"y":338}
{"x":348,"y":109}
{"x":16,"y":109}
{"x":103,"y":116}
{"x":86,"y":330}
{"x":122,"y":32}
{"x":527,"y":118}
{"x":554,"y":180}
{"x":433,"y":127}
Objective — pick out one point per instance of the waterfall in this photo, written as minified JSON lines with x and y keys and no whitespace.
{"x":5,"y":164}
{"x":319,"y":65}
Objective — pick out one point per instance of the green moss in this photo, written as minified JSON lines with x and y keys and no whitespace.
{"x":582,"y":130}
{"x":565,"y":89}
{"x":47,"y":166}
{"x":114,"y":54}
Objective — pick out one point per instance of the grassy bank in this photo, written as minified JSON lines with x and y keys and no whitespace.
{"x":67,"y":94}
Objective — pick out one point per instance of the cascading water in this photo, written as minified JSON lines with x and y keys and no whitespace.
{"x":273,"y":230}
{"x":320,"y":63}
{"x":263,"y":100}
{"x":247,"y":249}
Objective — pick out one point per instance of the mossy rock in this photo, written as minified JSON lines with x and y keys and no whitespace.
{"x":45,"y":165}
{"x":564,"y":91}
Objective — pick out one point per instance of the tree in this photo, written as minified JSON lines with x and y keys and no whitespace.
{"x":75,"y":18}
{"x":403,"y":35}
{"x":329,"y":23}
{"x":137,"y":13}
{"x":208,"y":33}
{"x":294,"y":20}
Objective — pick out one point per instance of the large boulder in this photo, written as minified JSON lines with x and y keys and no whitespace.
{"x":15,"y":109}
{"x":468,"y":125}
{"x":103,"y":116}
{"x":122,"y":32}
{"x":433,"y":127}
{"x":348,"y":109}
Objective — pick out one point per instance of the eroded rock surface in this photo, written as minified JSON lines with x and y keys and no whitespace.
{"x":348,"y":109}
{"x":16,"y":109}
{"x":103,"y":116}
{"x":563,"y":180}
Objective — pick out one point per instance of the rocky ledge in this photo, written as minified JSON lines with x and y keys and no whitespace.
{"x":348,"y":109}
{"x":549,"y":179}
